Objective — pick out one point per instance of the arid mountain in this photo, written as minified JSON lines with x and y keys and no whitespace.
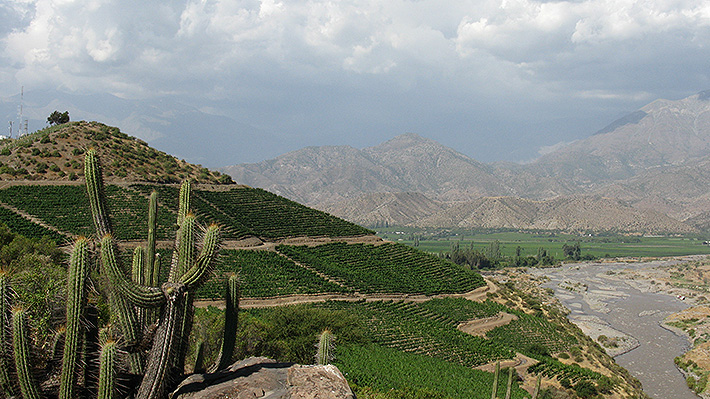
{"x":661,"y":135}
{"x":407,"y":163}
{"x":655,"y":159}
{"x":379,"y":209}
{"x":576,"y":213}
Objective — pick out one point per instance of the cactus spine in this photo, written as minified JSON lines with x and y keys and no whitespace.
{"x":21,"y":345}
{"x":76,"y":301}
{"x":231,"y":319}
{"x":326,"y":346}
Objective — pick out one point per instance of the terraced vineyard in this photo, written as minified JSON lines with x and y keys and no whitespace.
{"x":265,"y":274}
{"x":407,"y":327}
{"x":429,"y":328}
{"x":385,"y":369}
{"x":255,"y":212}
{"x":20,"y":225}
{"x":386,"y":268}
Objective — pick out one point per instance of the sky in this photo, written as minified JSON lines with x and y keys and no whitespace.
{"x":499,"y":80}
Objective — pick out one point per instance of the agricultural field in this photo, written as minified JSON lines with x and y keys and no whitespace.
{"x":441,"y":240}
{"x":265,"y":274}
{"x":389,"y":267}
{"x":385,"y":369}
{"x":241,"y":211}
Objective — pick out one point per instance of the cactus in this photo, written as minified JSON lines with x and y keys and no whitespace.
{"x":509,"y":387}
{"x":107,"y":370}
{"x":537,"y":386}
{"x":494,"y":393}
{"x":134,"y":301}
{"x":76,"y":302}
{"x":199,"y":366}
{"x":187,"y":271}
{"x":326,"y":346}
{"x":5,"y":384}
{"x":231,"y":318}
{"x":21,"y":345}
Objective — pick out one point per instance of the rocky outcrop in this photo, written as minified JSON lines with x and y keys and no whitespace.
{"x":259,"y":377}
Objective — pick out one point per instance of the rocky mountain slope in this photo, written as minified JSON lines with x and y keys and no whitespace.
{"x":654,"y":159}
{"x":581,"y":213}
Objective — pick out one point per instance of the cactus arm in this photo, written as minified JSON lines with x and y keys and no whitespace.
{"x":76,"y":301}
{"x":107,"y":371}
{"x":21,"y":345}
{"x":204,"y":262}
{"x":95,"y":190}
{"x":185,"y":248}
{"x":537,"y":386}
{"x":185,"y":193}
{"x":138,"y":295}
{"x":152,"y":270}
{"x":231,"y":319}
{"x":139,"y":277}
{"x":5,"y":384}
{"x":167,"y":341}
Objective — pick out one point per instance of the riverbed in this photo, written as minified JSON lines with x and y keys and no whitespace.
{"x":603,"y":300}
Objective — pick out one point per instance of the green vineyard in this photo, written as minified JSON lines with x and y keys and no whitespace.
{"x":241,"y":212}
{"x":393,"y":268}
{"x":385,"y":369}
{"x":265,"y":274}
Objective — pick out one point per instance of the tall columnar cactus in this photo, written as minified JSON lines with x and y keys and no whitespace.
{"x":188,"y":271}
{"x":537,"y":386}
{"x":76,"y":301}
{"x":231,"y":319}
{"x":21,"y":346}
{"x":326,"y":346}
{"x":509,"y":387}
{"x":5,"y":383}
{"x":496,"y":375}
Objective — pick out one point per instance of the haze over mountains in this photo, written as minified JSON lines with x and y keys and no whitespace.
{"x":653,"y":163}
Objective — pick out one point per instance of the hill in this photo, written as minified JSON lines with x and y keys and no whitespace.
{"x":56,"y":154}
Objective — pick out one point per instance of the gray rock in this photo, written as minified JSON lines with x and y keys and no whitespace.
{"x":259,"y":377}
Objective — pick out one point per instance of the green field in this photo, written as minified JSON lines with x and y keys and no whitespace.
{"x":441,"y":240}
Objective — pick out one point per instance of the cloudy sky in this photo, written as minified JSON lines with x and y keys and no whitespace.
{"x":495,"y":79}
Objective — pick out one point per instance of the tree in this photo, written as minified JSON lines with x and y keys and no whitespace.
{"x":572,"y":251}
{"x":58,"y":118}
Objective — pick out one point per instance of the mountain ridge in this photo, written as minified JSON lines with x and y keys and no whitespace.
{"x":634,"y":158}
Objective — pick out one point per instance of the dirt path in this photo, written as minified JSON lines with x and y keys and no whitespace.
{"x":479,"y":327}
{"x":478,"y":295}
{"x":35,"y":220}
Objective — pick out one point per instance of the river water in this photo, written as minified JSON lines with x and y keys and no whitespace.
{"x":621,"y":305}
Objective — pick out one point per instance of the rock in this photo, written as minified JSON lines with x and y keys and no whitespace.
{"x":259,"y":377}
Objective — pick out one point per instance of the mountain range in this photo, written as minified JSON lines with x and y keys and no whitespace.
{"x":647,"y":171}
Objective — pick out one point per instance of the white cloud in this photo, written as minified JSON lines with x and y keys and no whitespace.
{"x":275,"y":59}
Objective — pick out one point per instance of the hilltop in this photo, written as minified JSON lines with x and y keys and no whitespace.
{"x":56,"y":154}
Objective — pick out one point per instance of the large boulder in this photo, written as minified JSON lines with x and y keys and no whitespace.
{"x":259,"y":377}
